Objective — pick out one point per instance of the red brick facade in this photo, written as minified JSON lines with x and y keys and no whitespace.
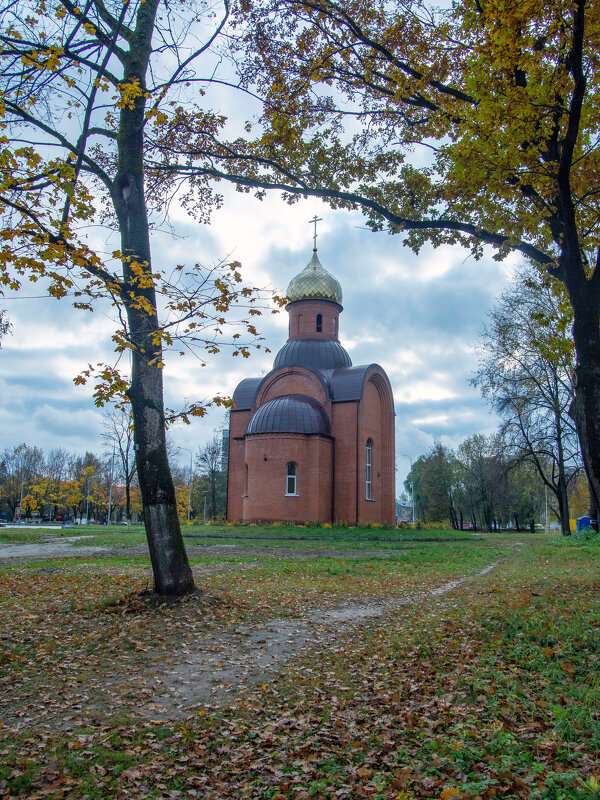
{"x":354,"y":420}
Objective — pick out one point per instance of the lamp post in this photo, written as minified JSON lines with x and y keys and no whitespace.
{"x":189,"y":483}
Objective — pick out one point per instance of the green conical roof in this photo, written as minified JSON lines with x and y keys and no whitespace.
{"x":314,"y":283}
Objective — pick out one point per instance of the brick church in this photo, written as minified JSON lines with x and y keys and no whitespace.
{"x":314,"y":439}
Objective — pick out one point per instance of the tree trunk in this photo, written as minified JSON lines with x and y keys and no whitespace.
{"x":453,"y":516}
{"x":593,"y":510}
{"x":128,"y":503}
{"x":563,"y":505}
{"x":213,"y":494}
{"x":172,"y":572}
{"x":586,"y":413}
{"x":584,"y":294}
{"x":561,"y":489}
{"x":489,"y":518}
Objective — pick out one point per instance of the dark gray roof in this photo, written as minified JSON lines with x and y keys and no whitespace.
{"x":292,"y":413}
{"x":341,"y":385}
{"x":245,"y":393}
{"x":348,"y":383}
{"x":314,"y":354}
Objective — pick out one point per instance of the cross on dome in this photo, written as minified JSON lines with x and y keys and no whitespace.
{"x":314,"y":221}
{"x":314,"y":282}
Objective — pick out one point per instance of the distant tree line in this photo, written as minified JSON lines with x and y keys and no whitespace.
{"x":63,"y":487}
{"x":483,"y":486}
{"x":533,"y":463}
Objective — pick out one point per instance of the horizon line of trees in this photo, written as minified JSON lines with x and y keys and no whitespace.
{"x":526,"y":360}
{"x":482,"y":485}
{"x":61,"y":486}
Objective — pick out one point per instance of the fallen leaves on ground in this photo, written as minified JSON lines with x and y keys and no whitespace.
{"x":491,"y":691}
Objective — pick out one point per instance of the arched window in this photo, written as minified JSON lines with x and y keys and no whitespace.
{"x":319,"y":323}
{"x":369,"y":470}
{"x":290,"y":478}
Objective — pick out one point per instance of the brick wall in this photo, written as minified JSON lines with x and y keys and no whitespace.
{"x":376,"y":422}
{"x":293,"y":380}
{"x":238,"y":422}
{"x":303,"y":319}
{"x":344,"y":422}
{"x":267,"y":456}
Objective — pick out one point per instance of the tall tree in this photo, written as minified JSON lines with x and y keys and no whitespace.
{"x":475,"y":124}
{"x":88,"y":471}
{"x":485,"y":479}
{"x":209,"y":464}
{"x":22,"y":466}
{"x":412,"y":484}
{"x":482,"y":486}
{"x":86,"y":91}
{"x":438,"y":477}
{"x":57,"y":465}
{"x":526,"y":359}
{"x":118,"y":437}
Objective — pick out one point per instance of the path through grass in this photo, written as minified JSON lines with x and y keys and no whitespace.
{"x":489,"y":691}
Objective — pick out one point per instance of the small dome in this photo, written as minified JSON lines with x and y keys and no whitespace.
{"x":292,"y":413}
{"x":314,"y":283}
{"x":312,"y":354}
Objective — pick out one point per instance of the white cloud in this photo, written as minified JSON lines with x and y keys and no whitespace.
{"x":417,"y":316}
{"x":438,"y":420}
{"x":430,"y":390}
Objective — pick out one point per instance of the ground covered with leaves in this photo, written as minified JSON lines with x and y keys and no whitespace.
{"x":490,"y":689}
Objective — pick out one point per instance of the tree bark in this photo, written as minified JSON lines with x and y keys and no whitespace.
{"x":563,"y":504}
{"x":172,"y":572}
{"x":128,"y":502}
{"x":593,"y":510}
{"x":585,"y":409}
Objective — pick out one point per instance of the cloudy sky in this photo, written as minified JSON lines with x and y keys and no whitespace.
{"x":417,"y":316}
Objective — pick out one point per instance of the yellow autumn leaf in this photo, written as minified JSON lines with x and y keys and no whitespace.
{"x":448,"y":794}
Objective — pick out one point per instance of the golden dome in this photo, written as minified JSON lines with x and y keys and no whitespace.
{"x":314,"y":283}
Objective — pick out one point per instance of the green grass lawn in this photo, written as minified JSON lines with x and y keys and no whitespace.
{"x":16,"y":536}
{"x":309,"y":532}
{"x":489,"y":691}
{"x":257,"y":536}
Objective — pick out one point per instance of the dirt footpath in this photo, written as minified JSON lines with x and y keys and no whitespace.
{"x":59,"y":548}
{"x":228,"y":663}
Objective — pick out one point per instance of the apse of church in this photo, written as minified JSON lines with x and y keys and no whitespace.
{"x":314,"y":439}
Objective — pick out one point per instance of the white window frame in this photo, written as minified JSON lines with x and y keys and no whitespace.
{"x":291,"y":475}
{"x":369,"y":470}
